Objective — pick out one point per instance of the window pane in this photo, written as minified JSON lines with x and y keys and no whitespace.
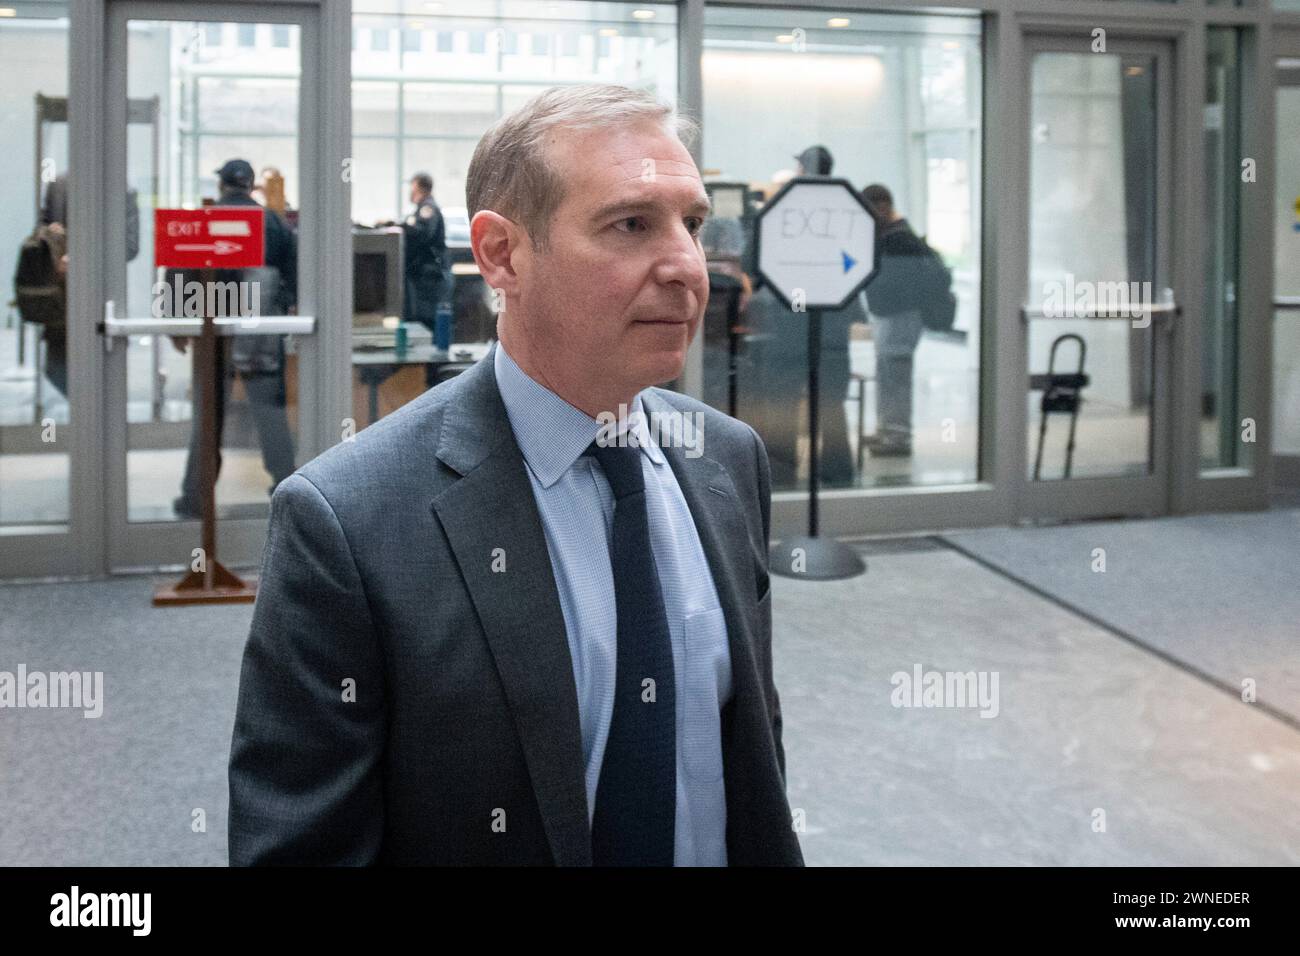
{"x":1286,"y":329}
{"x":1093,"y":248}
{"x":215,"y":103}
{"x":895,"y":99}
{"x":1221,"y":445}
{"x":34,"y":372}
{"x":426,"y":114}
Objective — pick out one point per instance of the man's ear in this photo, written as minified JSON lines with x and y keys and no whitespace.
{"x":496,"y":242}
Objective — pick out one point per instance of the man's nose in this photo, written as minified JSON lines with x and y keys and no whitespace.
{"x":682,"y":260}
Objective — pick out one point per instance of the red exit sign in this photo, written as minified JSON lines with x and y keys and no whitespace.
{"x":213,"y":237}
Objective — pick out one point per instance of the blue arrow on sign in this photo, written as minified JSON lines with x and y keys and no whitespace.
{"x":849,"y":261}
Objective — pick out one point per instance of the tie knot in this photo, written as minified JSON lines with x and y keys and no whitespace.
{"x":622,"y":464}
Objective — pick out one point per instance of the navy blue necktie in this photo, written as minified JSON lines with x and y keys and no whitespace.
{"x":636,"y":797}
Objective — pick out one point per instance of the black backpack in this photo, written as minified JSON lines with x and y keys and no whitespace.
{"x":39,"y":286}
{"x":938,"y":304}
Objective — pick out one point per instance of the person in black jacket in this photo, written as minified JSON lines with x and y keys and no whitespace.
{"x":424,"y":251}
{"x":896,"y":316}
{"x":258,"y":359}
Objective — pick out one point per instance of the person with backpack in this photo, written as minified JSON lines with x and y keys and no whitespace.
{"x":909,"y":293}
{"x":40,"y":279}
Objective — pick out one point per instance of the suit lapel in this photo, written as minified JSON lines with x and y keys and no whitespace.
{"x":492,"y":506}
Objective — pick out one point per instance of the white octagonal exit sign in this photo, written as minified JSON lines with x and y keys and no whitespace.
{"x":816,"y":243}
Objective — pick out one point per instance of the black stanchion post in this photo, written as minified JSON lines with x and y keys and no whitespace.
{"x":811,"y":556}
{"x":814,"y":413}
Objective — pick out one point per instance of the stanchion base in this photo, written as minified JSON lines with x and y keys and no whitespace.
{"x":227,"y":588}
{"x":821,"y":559}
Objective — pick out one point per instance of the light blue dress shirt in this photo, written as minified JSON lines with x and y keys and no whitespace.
{"x":577,"y":510}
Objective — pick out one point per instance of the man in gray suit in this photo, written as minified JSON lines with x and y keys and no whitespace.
{"x":510,"y":623}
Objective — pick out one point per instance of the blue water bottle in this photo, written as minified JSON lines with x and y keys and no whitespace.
{"x":442,"y":327}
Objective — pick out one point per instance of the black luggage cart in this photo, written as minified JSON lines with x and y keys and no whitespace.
{"x":1061,"y":395}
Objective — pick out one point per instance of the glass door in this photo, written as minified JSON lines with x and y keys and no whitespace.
{"x":43,"y":458}
{"x":1286,"y":273}
{"x":1099,"y":309}
{"x":216,"y":112}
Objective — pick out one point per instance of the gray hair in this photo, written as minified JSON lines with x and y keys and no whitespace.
{"x":510,"y":173}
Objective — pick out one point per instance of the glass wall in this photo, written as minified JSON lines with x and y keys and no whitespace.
{"x":1286,"y":290}
{"x":1221,"y":416}
{"x":35,"y":424}
{"x":1094,"y":258}
{"x":203,"y":98}
{"x":884,"y":100}
{"x":428,"y":79}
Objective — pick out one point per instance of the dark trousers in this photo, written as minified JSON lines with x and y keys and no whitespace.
{"x":780,"y":423}
{"x":266,"y":400}
{"x":420,"y":304}
{"x":56,"y":358}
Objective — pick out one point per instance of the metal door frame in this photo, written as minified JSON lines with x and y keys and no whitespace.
{"x":1122,"y":495}
{"x":149,"y":545}
{"x":1284,"y":470}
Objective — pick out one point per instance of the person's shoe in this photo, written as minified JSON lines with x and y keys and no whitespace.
{"x":186,"y":508}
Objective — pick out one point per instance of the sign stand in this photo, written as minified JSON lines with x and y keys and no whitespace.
{"x":820,"y":250}
{"x":811,"y":556}
{"x":213,"y":583}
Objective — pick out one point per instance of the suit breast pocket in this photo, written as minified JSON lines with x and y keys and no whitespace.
{"x":705,"y":689}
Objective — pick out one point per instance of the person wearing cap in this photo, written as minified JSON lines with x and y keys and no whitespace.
{"x":814,"y":161}
{"x":258,"y":359}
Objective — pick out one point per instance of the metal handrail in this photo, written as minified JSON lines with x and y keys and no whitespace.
{"x":1286,"y":303}
{"x":226,"y":326}
{"x":1155,"y":309}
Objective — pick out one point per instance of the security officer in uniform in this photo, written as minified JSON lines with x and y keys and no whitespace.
{"x":425,"y":255}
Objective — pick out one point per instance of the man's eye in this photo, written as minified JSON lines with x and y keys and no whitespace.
{"x":633,"y":222}
{"x":694,"y":224}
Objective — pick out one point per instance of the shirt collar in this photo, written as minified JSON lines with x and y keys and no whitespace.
{"x":551,"y":433}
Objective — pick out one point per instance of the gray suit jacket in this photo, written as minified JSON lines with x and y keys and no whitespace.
{"x":400,"y":702}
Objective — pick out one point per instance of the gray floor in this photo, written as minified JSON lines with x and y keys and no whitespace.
{"x":1087,"y":720}
{"x":1220,"y":594}
{"x":1184,"y":773}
